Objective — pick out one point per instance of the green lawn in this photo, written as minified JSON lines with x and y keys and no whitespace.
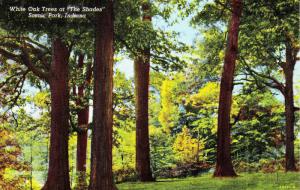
{"x":260,"y":181}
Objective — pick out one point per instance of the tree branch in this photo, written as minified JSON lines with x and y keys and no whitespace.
{"x":27,"y":61}
{"x":24,"y":57}
{"x":274,"y":84}
{"x":18,"y":89}
{"x":9,"y":55}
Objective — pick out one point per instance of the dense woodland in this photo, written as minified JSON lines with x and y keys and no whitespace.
{"x":226,"y":104}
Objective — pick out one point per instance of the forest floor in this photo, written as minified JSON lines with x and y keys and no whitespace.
{"x":245,"y":181}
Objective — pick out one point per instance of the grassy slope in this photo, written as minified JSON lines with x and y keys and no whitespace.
{"x":245,"y":181}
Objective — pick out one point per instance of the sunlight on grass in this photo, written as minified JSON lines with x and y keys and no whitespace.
{"x":245,"y":181}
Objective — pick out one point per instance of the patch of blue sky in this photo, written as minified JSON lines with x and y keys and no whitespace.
{"x":186,"y":34}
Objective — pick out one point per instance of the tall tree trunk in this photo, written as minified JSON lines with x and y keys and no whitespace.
{"x":288,"y":69}
{"x":224,"y":164}
{"x":142,"y":72}
{"x":58,"y":172}
{"x":101,"y":155}
{"x":83,"y":120}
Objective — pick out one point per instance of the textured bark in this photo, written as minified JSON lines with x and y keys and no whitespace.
{"x":101,"y":156}
{"x":142,"y":72}
{"x":224,"y":165}
{"x":82,"y":136}
{"x":141,"y":67}
{"x":58,"y":172}
{"x":288,"y":69}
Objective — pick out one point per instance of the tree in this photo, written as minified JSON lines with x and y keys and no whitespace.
{"x":31,"y":127}
{"x":288,"y":68}
{"x":50,"y":67}
{"x":101,"y":155}
{"x":82,"y":122}
{"x":138,"y":46}
{"x":257,"y":133}
{"x":274,"y":48}
{"x":10,"y":152}
{"x":58,"y":158}
{"x":224,"y":165}
{"x":56,"y":75}
{"x":265,"y":48}
{"x":142,"y":74}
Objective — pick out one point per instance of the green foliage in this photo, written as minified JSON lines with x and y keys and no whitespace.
{"x":161,"y":151}
{"x":124,"y":156}
{"x":207,"y":56}
{"x":30,"y":129}
{"x":123,"y":103}
{"x":123,"y":106}
{"x":202,"y":110}
{"x":124,"y":133}
{"x":263,"y":165}
{"x":72,"y":157}
{"x":134,"y":35}
{"x":258,"y":133}
{"x":12,"y":80}
{"x":79,"y":182}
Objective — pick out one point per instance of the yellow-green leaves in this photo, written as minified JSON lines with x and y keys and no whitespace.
{"x":169,"y":113}
{"x":207,"y":96}
{"x":187,"y":149}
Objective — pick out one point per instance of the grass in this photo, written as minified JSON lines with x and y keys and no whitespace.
{"x":245,"y":181}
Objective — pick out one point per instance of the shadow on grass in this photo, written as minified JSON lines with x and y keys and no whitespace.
{"x":167,"y":181}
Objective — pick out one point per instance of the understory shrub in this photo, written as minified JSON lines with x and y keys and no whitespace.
{"x":125,"y":175}
{"x":185,"y":170}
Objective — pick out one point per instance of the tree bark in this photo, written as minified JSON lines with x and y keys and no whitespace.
{"x":288,"y":70}
{"x":224,"y":165}
{"x":142,"y":73}
{"x":58,"y":172}
{"x":82,"y":135}
{"x":101,"y":156}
